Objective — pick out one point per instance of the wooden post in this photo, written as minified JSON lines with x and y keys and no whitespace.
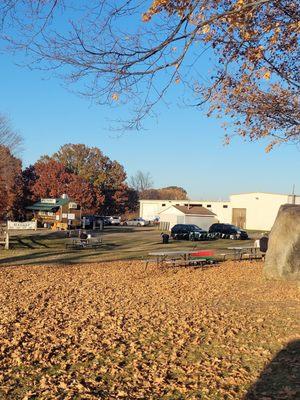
{"x":6,"y":241}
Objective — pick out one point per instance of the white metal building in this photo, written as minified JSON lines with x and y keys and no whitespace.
{"x":151,"y":209}
{"x":195,"y":215}
{"x":254,"y":210}
{"x":258,"y":210}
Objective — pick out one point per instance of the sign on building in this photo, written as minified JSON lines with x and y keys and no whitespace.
{"x":22,"y":225}
{"x":48,"y":201}
{"x":71,"y":216}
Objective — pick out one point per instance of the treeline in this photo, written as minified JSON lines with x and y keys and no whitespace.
{"x":143,"y":184}
{"x":84,"y":173}
{"x":167,"y":193}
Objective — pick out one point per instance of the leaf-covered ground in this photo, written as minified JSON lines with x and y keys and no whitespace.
{"x":116,"y":331}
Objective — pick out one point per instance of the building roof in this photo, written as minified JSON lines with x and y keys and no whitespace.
{"x":214,"y":201}
{"x":194,"y":210}
{"x":48,"y":206}
{"x":270,"y":193}
{"x":41,"y":207}
{"x":183,"y":201}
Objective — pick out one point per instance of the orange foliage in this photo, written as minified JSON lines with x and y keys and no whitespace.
{"x":257,"y":43}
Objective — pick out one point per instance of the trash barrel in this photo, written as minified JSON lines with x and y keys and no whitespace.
{"x":165,"y":238}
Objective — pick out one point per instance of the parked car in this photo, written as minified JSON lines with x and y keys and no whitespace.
{"x":188,"y":232}
{"x":136,"y":222}
{"x":112,"y":220}
{"x":154,"y":221}
{"x":90,"y":221}
{"x":227,"y":231}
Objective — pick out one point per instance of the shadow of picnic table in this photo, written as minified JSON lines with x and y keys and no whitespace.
{"x":280,"y":380}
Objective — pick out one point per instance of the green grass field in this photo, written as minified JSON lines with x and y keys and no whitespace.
{"x":48,"y":247}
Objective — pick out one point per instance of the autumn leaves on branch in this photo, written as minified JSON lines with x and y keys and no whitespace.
{"x":256,"y":43}
{"x":130,"y":55}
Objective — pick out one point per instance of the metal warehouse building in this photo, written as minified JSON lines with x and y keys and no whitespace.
{"x":255,"y":210}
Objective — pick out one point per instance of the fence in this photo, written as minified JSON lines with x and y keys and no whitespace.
{"x":164,"y":226}
{"x":4,"y":239}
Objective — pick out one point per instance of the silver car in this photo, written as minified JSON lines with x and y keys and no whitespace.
{"x":136,"y":222}
{"x":113,"y":220}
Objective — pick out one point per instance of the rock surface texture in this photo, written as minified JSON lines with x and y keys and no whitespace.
{"x":283,"y":255}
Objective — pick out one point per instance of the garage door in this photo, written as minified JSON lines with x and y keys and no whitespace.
{"x":239,"y":217}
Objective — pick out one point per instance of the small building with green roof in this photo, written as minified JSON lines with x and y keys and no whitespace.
{"x":57,"y":213}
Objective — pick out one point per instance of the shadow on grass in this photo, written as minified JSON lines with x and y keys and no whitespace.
{"x":280,"y":380}
{"x":125,"y":229}
{"x":60,"y":256}
{"x":23,"y":258}
{"x":39,"y":243}
{"x":24,"y":244}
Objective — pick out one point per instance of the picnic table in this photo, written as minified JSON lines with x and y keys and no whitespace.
{"x":239,"y":251}
{"x":79,"y":243}
{"x":181,"y":257}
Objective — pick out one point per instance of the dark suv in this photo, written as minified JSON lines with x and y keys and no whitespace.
{"x":188,"y":232}
{"x":226,"y":231}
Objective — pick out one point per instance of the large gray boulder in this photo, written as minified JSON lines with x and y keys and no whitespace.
{"x":283,"y":255}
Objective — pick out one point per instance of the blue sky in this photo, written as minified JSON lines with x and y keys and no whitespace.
{"x":180,"y":147}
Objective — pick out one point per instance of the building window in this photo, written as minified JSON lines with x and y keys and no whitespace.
{"x":225,"y":206}
{"x":208,"y":206}
{"x":163,"y":205}
{"x":200,"y":205}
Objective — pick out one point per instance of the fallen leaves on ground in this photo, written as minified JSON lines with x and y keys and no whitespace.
{"x":120,"y":331}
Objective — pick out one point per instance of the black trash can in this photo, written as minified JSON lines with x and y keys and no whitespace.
{"x":165,"y":238}
{"x":263,"y":244}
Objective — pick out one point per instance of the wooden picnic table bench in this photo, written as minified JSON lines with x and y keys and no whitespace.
{"x":251,"y":252}
{"x":89,"y":243}
{"x":202,"y":257}
{"x":182,"y":257}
